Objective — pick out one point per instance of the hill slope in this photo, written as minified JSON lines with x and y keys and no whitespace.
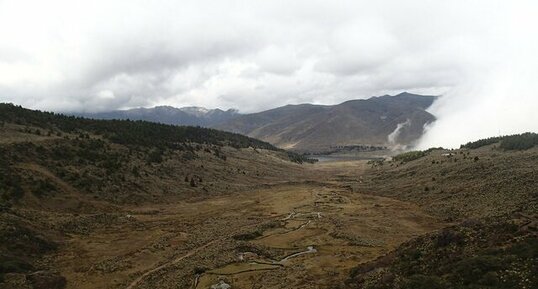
{"x":62,"y":176}
{"x":385,"y":120}
{"x":487,"y":190}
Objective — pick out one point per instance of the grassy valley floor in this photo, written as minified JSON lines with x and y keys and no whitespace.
{"x":306,"y":232}
{"x":243,"y":238}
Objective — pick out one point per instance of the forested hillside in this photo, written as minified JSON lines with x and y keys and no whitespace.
{"x":63,"y":175}
{"x":138,"y":133}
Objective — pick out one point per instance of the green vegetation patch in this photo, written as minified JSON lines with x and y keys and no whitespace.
{"x":519,"y":141}
{"x":138,"y":133}
{"x":247,"y":236}
{"x":510,"y":142}
{"x":409,"y":156}
{"x":481,"y":142}
{"x":298,"y":158}
{"x":134,"y":133}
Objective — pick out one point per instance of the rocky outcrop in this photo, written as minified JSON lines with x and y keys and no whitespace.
{"x":221,"y":285}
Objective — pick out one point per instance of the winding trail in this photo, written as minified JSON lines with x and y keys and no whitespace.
{"x":192,"y":252}
{"x":309,"y":250}
{"x":173,"y":262}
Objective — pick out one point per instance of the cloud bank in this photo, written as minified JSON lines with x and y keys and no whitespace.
{"x":254,"y":55}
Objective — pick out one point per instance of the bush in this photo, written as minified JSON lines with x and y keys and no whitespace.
{"x":13,"y":265}
{"x":248,"y":236}
{"x":448,"y":237}
{"x":423,"y":282}
{"x":43,"y":187}
{"x":473,"y":270}
{"x":155,"y":156}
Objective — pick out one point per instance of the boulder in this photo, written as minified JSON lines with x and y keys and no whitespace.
{"x":221,"y":285}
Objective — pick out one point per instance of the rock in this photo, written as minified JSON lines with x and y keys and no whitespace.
{"x":46,"y":280}
{"x":221,"y":285}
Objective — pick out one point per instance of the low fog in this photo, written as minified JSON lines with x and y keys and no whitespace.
{"x":480,"y":56}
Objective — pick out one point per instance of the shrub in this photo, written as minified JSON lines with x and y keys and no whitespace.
{"x":155,"y":156}
{"x":423,"y":282}
{"x":43,"y":187}
{"x":471,"y":270}
{"x":13,"y":265}
{"x":448,"y":237}
{"x":248,"y":236}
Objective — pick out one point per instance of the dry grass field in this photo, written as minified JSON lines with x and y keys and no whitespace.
{"x":198,"y":243}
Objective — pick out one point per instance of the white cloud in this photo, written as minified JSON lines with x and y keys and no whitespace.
{"x":254,"y":55}
{"x":106,"y":94}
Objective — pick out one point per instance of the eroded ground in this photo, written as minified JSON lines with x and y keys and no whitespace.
{"x":303,"y":234}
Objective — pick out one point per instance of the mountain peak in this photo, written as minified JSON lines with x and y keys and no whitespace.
{"x":196,"y":110}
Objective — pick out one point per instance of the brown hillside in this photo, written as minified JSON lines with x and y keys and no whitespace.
{"x":309,"y":127}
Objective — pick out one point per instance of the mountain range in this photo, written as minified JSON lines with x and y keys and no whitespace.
{"x":387,"y":120}
{"x":192,"y":115}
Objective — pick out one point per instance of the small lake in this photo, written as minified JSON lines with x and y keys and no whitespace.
{"x":350,"y":157}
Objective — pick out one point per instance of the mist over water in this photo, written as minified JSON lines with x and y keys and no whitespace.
{"x":498,"y":91}
{"x":467,"y":115}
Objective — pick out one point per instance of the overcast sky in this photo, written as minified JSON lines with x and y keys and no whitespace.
{"x":254,"y":55}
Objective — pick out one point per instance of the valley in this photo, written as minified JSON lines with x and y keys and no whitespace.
{"x":268,"y":144}
{"x":199,"y":243}
{"x":125,"y":205}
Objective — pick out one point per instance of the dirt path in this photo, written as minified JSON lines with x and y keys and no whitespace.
{"x":339,"y":229}
{"x":175,"y":261}
{"x":192,"y":252}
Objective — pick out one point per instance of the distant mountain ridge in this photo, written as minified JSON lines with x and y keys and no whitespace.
{"x":192,"y":115}
{"x":385,"y":120}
